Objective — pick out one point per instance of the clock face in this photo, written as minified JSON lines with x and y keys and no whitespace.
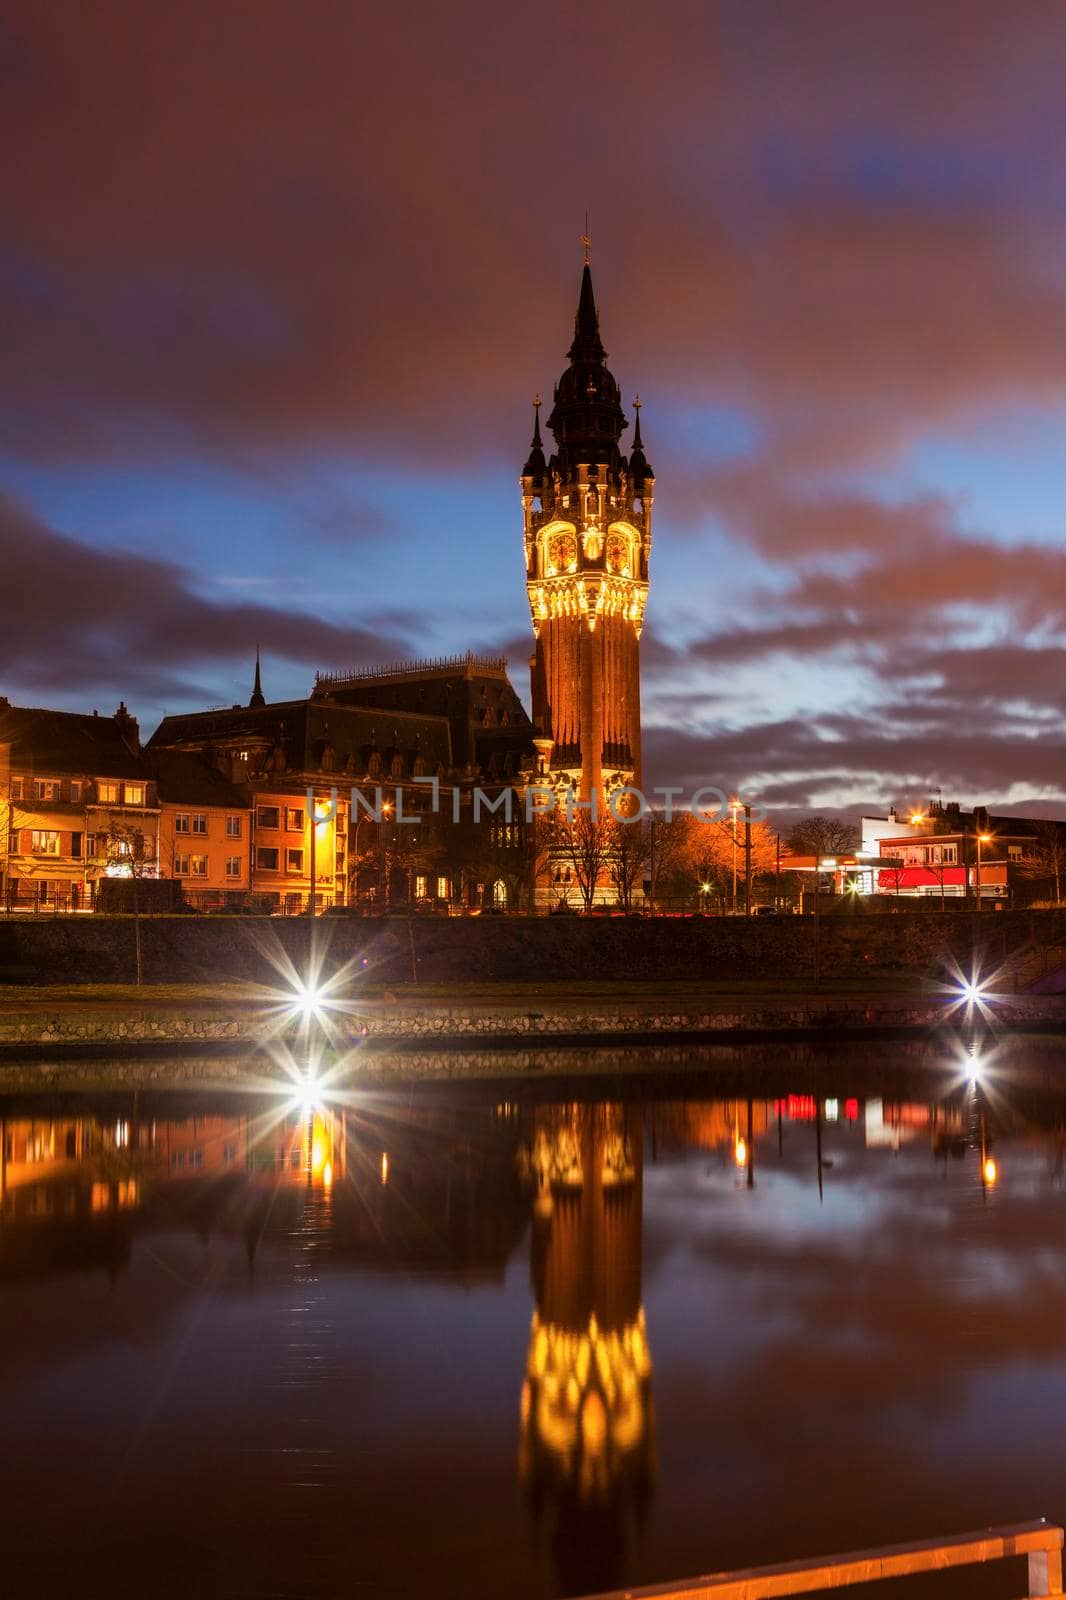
{"x":562,"y":552}
{"x":618,"y":554}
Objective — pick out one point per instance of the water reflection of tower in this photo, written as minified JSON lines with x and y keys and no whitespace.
{"x":587,"y":1425}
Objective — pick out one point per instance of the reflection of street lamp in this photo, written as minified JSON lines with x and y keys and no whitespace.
{"x":982,"y":838}
{"x":819,"y":862}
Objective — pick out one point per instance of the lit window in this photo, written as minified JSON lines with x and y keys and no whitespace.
{"x":442,"y":888}
{"x":45,"y":789}
{"x":294,"y":861}
{"x":181,"y":822}
{"x":233,"y":866}
{"x":198,"y":866}
{"x":199,"y":823}
{"x":107,"y":793}
{"x":294,"y":820}
{"x":233,"y":827}
{"x":44,"y":842}
{"x":135,"y":794}
{"x":267,"y":816}
{"x":420,"y":888}
{"x":267,"y":860}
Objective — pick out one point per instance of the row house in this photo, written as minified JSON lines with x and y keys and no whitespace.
{"x":205,"y":827}
{"x":77,"y":803}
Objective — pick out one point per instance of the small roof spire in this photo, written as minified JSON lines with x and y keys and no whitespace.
{"x":639,"y":466}
{"x":585,"y":240}
{"x":258,"y":697}
{"x":535,"y":466}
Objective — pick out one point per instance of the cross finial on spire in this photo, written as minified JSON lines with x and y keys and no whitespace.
{"x":585,"y":240}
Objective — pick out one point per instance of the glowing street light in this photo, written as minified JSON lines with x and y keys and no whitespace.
{"x":982,"y":838}
{"x":989,"y":1172}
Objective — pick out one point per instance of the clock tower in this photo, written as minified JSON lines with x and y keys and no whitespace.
{"x":587,"y":529}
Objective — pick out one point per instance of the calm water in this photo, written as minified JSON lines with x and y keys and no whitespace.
{"x":531,"y":1342}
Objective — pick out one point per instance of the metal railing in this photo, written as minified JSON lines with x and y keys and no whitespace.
{"x":1040,"y":1542}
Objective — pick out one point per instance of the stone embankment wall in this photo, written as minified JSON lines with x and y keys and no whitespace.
{"x":95,"y":949}
{"x":428,"y":1023}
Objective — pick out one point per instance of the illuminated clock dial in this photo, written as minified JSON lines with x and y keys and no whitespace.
{"x":562,"y":552}
{"x":618,"y":554}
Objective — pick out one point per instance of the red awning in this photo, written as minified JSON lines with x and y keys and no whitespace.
{"x":918,"y":877}
{"x":893,"y":878}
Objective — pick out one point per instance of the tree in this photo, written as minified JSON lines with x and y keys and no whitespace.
{"x":710,"y":847}
{"x":586,"y":842}
{"x":664,"y":847}
{"x":628,"y":854}
{"x":823,"y":836}
{"x":1045,"y":860}
{"x":126,"y":851}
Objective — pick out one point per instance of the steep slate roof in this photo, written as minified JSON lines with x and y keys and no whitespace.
{"x":55,"y":742}
{"x":185,"y":778}
{"x":485,"y":715}
{"x":303,"y":730}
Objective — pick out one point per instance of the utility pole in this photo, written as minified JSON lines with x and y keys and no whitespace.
{"x":747,"y":860}
{"x":777,"y":873}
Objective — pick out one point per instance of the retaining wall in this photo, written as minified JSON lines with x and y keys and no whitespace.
{"x":91,"y":949}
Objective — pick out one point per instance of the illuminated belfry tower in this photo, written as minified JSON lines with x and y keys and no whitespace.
{"x":587,"y":527}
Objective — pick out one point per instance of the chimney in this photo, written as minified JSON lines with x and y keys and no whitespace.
{"x":127,"y":727}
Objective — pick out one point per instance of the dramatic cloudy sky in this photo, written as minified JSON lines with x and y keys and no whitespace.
{"x":278,"y":280}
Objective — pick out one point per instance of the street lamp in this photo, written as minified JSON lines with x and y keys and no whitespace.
{"x":982,"y":838}
{"x":705,"y":890}
{"x":386,"y":811}
{"x":318,"y":820}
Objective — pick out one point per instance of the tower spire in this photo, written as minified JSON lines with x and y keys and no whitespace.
{"x":258,"y":697}
{"x":587,"y":345}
